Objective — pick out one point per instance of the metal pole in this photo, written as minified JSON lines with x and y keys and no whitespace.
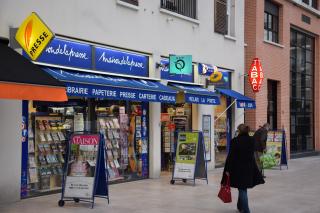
{"x":225,"y":110}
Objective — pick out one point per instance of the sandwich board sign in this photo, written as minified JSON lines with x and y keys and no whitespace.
{"x":85,"y":175}
{"x":190,"y":163}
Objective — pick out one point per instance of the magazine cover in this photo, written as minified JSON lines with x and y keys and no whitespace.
{"x":81,"y":166}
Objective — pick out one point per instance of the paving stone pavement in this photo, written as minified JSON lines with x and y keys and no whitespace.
{"x":296,"y":190}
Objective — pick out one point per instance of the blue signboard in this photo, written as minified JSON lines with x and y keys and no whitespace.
{"x":99,"y":86}
{"x":115,"y":61}
{"x":202,"y":99}
{"x":246,"y":104}
{"x":117,"y":93}
{"x":67,"y":53}
{"x":165,"y":74}
{"x":198,"y":95}
{"x":242,"y":101}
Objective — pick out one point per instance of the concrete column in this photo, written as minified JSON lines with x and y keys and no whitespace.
{"x":10,"y":150}
{"x":154,"y":140}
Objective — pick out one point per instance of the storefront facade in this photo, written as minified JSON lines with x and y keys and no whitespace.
{"x":116,"y":107}
{"x":92,"y":22}
{"x":288,"y":98}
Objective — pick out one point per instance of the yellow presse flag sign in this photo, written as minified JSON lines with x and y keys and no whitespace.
{"x":33,"y":36}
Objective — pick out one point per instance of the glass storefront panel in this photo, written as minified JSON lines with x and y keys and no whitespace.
{"x":181,"y":116}
{"x":124,"y":127}
{"x":221,"y":129}
{"x":123,"y":124}
{"x":301,"y":100}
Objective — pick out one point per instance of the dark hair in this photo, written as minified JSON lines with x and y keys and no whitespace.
{"x":243,"y":129}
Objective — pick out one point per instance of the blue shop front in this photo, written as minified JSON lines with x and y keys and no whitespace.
{"x":224,"y":112}
{"x":181,"y":113}
{"x":109,"y":91}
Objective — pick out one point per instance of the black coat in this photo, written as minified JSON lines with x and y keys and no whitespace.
{"x":241,"y":164}
{"x":260,"y":137}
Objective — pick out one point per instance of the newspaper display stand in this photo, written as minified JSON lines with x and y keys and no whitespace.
{"x":190,"y":163}
{"x":85,"y":176}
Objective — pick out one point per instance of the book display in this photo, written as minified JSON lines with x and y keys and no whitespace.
{"x":123,"y":134}
{"x":110,"y":128}
{"x":46,"y":151}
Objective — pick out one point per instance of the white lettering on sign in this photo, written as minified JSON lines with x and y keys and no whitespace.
{"x":103,"y":92}
{"x":147,"y":96}
{"x":77,"y":90}
{"x":167,"y":98}
{"x":124,"y":61}
{"x":211,"y":100}
{"x":130,"y":95}
{"x":67,"y":52}
{"x":194,"y":99}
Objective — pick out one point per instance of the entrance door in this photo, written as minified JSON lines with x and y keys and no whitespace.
{"x":302,"y":92}
{"x":272,"y":104}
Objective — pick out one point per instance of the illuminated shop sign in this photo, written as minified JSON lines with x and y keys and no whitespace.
{"x":255,"y":75}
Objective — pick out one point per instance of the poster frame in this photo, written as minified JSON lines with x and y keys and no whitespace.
{"x":208,"y":157}
{"x":198,"y":154}
{"x":100,"y":162}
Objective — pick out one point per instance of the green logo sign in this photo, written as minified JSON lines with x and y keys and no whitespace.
{"x":180,"y":64}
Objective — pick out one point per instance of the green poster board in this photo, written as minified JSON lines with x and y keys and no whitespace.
{"x":180,"y":64}
{"x":190,"y":163}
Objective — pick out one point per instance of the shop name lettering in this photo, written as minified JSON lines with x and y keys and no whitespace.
{"x":83,"y":140}
{"x":38,"y":43}
{"x":124,"y":61}
{"x":66,"y":51}
{"x":116,"y":94}
{"x":202,"y":100}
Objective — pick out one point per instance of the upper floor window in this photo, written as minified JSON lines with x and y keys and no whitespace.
{"x":183,"y":7}
{"x":271,"y":21}
{"x":134,"y":2}
{"x":311,"y":3}
{"x":224,"y":17}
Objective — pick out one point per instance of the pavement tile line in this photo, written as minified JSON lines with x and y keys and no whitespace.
{"x":296,"y":190}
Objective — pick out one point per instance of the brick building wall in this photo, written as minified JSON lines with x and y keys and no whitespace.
{"x":275,"y":60}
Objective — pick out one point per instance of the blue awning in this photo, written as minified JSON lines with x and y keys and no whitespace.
{"x":242,"y":101}
{"x":197,"y":94}
{"x":100,"y":86}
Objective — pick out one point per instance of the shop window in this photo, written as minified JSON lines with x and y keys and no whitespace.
{"x":311,"y":3}
{"x":302,"y":92}
{"x":271,"y":22}
{"x":186,"y":7}
{"x":272,"y":104}
{"x":221,"y":17}
{"x":224,"y":17}
{"x":133,"y":2}
{"x":181,"y":116}
{"x":123,"y":124}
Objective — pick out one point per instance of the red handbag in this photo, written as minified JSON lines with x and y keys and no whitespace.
{"x":225,"y":191}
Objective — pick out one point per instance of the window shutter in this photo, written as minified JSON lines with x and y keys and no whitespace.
{"x":220,"y":17}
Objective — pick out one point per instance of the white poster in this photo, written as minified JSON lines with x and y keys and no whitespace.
{"x":79,"y":187}
{"x":184,"y":171}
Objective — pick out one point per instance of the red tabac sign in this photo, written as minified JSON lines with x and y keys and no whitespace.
{"x":256,"y":75}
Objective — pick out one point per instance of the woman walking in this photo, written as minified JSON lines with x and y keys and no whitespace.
{"x":241,"y":167}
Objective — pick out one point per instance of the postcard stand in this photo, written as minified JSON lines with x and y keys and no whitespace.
{"x":100,"y":183}
{"x":200,"y":171}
